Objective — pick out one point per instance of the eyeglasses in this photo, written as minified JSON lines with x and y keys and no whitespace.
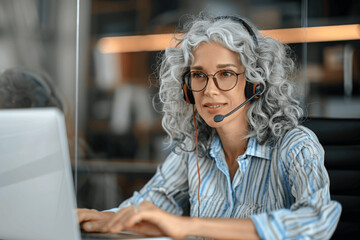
{"x":224,"y":80}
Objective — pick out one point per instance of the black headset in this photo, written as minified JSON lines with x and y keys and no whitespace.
{"x":251,"y":89}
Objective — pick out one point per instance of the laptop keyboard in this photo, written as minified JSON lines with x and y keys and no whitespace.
{"x":107,"y":236}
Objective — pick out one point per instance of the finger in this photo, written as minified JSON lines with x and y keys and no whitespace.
{"x":117,"y":224}
{"x":146,"y":228}
{"x":92,"y":226}
{"x":117,"y":218}
{"x":93,"y":220}
{"x":152,"y":222}
{"x":117,"y":227}
{"x":148,"y":213}
{"x":134,"y":219}
{"x":141,"y":212}
{"x":87,"y":215}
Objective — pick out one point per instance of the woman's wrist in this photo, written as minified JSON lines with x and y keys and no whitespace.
{"x":220,"y":228}
{"x":192,"y":226}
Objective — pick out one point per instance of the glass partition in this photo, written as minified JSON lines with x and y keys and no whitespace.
{"x":37,"y":57}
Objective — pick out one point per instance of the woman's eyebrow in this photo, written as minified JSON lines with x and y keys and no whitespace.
{"x":226,"y":65}
{"x":196,"y":68}
{"x":218,"y":66}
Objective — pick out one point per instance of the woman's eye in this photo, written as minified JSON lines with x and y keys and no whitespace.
{"x":226,"y":74}
{"x":197,"y":75}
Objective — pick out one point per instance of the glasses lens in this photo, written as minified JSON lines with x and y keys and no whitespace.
{"x":197,"y":80}
{"x":226,"y":79}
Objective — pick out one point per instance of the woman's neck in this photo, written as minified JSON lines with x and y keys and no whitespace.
{"x":233,"y":141}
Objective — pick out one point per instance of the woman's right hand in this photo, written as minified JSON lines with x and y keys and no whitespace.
{"x":92,"y":220}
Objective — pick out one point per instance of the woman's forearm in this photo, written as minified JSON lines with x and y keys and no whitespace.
{"x":222,"y":228}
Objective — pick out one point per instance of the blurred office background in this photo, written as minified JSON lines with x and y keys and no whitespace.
{"x":109,"y":91}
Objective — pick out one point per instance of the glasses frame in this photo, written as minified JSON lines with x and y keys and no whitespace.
{"x":188,"y":73}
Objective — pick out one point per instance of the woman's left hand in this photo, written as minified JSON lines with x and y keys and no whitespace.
{"x":148,"y":219}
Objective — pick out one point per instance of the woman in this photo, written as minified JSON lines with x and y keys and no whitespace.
{"x":252,"y":172}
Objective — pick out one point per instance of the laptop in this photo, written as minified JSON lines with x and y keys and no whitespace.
{"x":37,"y":199}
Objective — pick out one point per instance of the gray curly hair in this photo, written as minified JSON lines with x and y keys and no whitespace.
{"x":269,"y":63}
{"x":25,"y":88}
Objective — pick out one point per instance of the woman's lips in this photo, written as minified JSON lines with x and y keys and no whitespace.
{"x":213,"y":108}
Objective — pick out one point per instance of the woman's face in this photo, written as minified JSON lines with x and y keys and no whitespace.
{"x":209,"y":58}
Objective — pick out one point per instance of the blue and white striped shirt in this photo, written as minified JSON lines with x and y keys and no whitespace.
{"x":284,"y":188}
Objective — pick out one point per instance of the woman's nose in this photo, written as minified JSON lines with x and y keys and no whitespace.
{"x":211,"y":86}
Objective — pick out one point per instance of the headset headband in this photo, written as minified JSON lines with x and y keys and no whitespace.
{"x":242,"y":22}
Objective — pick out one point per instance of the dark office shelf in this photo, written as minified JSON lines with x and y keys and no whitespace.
{"x":118,"y":166}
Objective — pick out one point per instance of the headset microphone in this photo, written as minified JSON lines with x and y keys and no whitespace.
{"x":258,"y":91}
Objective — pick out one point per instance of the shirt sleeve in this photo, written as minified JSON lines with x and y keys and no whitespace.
{"x":313,"y":215}
{"x":167,"y":189}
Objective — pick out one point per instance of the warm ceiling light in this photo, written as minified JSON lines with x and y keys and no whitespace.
{"x":158,"y":42}
{"x":315,"y":34}
{"x":154,"y":42}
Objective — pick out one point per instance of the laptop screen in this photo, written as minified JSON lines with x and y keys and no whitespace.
{"x":36,"y":190}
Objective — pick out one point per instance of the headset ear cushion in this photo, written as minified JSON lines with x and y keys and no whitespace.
{"x":251,"y":89}
{"x":258,"y":89}
{"x":188,"y":95}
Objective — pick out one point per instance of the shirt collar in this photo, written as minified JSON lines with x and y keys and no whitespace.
{"x":253,"y":149}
